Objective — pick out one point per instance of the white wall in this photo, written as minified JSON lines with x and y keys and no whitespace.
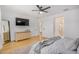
{"x":47,"y":27}
{"x":71,"y":23}
{"x":9,"y":15}
{"x":34,"y":26}
{"x":1,"y":36}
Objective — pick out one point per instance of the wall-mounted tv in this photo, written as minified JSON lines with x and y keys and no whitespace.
{"x":22,"y":22}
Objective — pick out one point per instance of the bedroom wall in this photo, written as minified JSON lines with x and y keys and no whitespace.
{"x":10,"y":15}
{"x":71,"y":23}
{"x":34,"y":26}
{"x":47,"y":26}
{"x":1,"y":36}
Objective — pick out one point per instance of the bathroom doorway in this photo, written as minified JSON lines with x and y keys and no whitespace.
{"x":6,"y":31}
{"x":59,"y":26}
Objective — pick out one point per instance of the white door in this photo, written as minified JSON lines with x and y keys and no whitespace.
{"x":59,"y":26}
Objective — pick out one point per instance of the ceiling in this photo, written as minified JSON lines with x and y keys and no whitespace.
{"x":27,"y":9}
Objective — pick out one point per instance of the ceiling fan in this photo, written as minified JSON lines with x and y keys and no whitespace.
{"x":41,"y":9}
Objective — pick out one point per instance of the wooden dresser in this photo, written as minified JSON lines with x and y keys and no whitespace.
{"x":22,"y":35}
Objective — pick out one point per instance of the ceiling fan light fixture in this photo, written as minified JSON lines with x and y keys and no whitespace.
{"x":41,"y":12}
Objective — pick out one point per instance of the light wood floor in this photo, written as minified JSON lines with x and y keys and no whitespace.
{"x":9,"y":47}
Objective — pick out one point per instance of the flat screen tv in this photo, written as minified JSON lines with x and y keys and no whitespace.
{"x":22,"y":22}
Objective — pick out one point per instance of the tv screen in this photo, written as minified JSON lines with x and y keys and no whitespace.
{"x":22,"y":22}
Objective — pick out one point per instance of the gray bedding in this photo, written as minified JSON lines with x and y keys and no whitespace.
{"x":45,"y":43}
{"x":56,"y":45}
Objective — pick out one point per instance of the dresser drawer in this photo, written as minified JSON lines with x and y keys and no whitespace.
{"x":23,"y":35}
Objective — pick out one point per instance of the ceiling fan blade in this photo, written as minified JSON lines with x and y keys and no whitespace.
{"x":39,"y":7}
{"x":45,"y":11}
{"x":46,"y":8}
{"x":35,"y":10}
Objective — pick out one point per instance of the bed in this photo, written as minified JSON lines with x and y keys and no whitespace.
{"x":56,"y":45}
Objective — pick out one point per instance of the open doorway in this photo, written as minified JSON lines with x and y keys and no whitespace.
{"x":6,"y":31}
{"x":59,"y":26}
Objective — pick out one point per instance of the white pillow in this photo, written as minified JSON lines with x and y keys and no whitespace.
{"x":59,"y":46}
